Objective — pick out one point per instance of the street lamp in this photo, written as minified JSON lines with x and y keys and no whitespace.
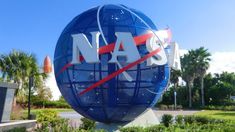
{"x":47,"y":68}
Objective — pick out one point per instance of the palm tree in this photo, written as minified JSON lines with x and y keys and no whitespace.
{"x":202,"y":64}
{"x":189,"y":72}
{"x":18,"y":66}
{"x":175,"y":74}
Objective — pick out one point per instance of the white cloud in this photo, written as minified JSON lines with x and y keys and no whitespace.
{"x":220,"y":61}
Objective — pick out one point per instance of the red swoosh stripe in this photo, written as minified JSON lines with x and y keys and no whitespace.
{"x":110,"y":76}
{"x":108,"y":48}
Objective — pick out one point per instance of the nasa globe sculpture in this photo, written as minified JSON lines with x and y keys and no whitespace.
{"x":110,"y":65}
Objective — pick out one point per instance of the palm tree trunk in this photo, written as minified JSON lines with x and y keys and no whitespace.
{"x":202,"y":92}
{"x":190,"y":93}
{"x":20,"y":85}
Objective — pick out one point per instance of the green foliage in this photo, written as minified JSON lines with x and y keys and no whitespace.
{"x":87,"y":124}
{"x":168,"y":98}
{"x":18,"y":66}
{"x":48,"y":121}
{"x":179,"y":119}
{"x":214,"y":107}
{"x":38,"y":103}
{"x":132,"y":129}
{"x":17,"y":129}
{"x":218,"y":90}
{"x":192,"y":123}
{"x":47,"y":118}
{"x":189,"y":119}
{"x":163,"y":107}
{"x":167,"y":119}
{"x":155,"y":128}
{"x":184,"y":128}
{"x":174,"y":78}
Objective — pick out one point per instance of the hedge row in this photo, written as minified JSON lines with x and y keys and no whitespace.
{"x":214,"y":107}
{"x":187,"y":123}
{"x":183,"y":128}
{"x":51,"y":104}
{"x":169,"y":107}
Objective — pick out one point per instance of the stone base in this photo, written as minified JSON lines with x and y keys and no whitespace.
{"x":28,"y":124}
{"x":148,"y":118}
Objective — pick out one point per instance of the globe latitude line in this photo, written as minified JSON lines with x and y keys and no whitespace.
{"x":114,"y":74}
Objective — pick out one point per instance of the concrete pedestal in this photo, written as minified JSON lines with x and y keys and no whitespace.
{"x":148,"y":118}
{"x":7,"y":91}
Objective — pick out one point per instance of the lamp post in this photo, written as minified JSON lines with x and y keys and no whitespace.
{"x":175,"y":102}
{"x":47,"y":68}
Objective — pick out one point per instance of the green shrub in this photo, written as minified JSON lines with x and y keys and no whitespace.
{"x":167,"y":119}
{"x":62,"y":126}
{"x":56,"y":104}
{"x":156,"y":128}
{"x":87,"y":124}
{"x":163,"y":107}
{"x":202,"y":119}
{"x":171,"y":107}
{"x":179,"y":119}
{"x":47,"y":118}
{"x":179,"y":107}
{"x":195,"y":127}
{"x":131,"y":129}
{"x":17,"y":129}
{"x":189,"y":119}
{"x":50,"y":104}
{"x":214,"y":107}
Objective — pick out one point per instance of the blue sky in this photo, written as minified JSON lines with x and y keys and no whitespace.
{"x":34,"y":26}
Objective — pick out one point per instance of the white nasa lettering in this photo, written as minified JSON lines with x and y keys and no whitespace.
{"x":129,"y":51}
{"x":158,"y":59}
{"x":89,"y":52}
{"x":124,"y":39}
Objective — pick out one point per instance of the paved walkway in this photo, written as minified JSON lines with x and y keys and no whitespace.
{"x":74,"y":117}
{"x":175,"y":112}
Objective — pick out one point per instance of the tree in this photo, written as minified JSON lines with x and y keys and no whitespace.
{"x":189,"y":72}
{"x":202,"y":64}
{"x":175,"y":74}
{"x":44,"y":94}
{"x":18,"y":66}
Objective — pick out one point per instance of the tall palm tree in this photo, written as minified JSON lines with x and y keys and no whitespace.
{"x":18,"y":66}
{"x":175,"y":74}
{"x":202,"y":64}
{"x":189,"y":72}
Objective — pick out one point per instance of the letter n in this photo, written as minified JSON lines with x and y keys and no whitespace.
{"x":83,"y":46}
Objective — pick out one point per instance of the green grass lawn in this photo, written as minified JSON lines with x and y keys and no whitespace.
{"x":219,"y":114}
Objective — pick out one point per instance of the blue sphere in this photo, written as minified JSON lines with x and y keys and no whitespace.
{"x":117,"y":100}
